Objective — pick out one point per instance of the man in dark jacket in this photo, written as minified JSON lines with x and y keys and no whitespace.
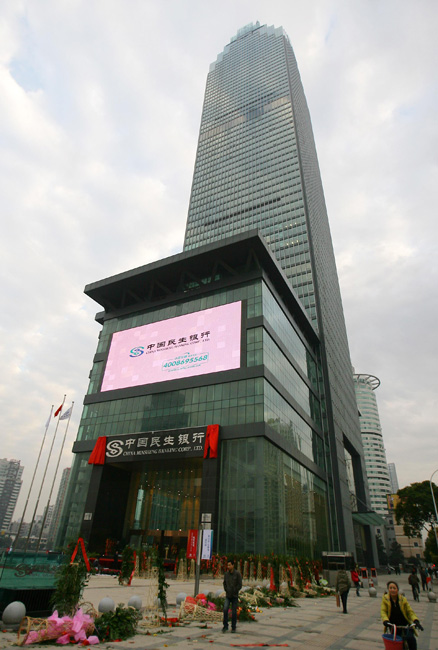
{"x":232,"y":586}
{"x":414,"y":582}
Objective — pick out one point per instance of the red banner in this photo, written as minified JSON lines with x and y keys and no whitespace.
{"x":97,"y":456}
{"x":211,"y":441}
{"x":192,"y":543}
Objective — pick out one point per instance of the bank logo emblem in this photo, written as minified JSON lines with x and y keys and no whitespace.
{"x":137,"y":352}
{"x":114,"y":448}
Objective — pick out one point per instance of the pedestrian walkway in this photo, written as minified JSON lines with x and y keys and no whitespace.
{"x":315,"y":624}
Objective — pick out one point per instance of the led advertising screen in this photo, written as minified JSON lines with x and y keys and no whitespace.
{"x":184,"y":346}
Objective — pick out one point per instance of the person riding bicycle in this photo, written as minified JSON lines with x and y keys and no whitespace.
{"x":396,"y":610}
{"x":414,"y":582}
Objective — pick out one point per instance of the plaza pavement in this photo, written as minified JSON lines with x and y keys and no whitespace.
{"x":315,"y":623}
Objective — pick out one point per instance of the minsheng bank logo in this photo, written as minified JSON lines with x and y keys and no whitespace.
{"x":137,"y":352}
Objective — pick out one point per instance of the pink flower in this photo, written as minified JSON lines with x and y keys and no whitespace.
{"x":80,"y":636}
{"x":64,"y":639}
{"x":92,"y":640}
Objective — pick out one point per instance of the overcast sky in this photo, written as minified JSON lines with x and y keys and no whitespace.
{"x":100,"y":106}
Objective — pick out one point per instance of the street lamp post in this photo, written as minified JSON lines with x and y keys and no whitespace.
{"x":434,"y":505}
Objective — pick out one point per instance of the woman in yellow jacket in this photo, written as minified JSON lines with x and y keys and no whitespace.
{"x":395,"y":609}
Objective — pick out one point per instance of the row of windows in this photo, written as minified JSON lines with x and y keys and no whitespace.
{"x":261,"y":349}
{"x":242,"y":402}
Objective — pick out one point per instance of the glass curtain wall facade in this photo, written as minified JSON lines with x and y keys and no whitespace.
{"x":257,"y":167}
{"x":273,"y":488}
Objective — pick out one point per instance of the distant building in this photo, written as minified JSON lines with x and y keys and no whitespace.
{"x":412,"y":547}
{"x":393,"y":478}
{"x":10,"y":486}
{"x":57,"y":508}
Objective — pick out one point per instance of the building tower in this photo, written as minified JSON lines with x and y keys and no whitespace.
{"x":375,"y":454}
{"x":393,"y":478}
{"x":222,"y":384}
{"x":10,"y":486}
{"x":256,"y":167}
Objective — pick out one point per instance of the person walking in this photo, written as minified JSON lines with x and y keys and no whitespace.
{"x":396,"y":610}
{"x":423,"y":575}
{"x":414,"y":582}
{"x":342,"y":586}
{"x":356,"y":581}
{"x":232,"y":586}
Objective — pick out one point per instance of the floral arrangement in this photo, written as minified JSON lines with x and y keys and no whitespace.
{"x":65,"y":629}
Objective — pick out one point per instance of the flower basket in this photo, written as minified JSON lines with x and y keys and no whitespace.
{"x":37,"y":630}
{"x":190,"y":611}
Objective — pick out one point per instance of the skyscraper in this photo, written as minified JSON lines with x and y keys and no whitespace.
{"x":374,"y":448}
{"x":256,"y":167}
{"x":222,"y":385}
{"x":10,"y":486}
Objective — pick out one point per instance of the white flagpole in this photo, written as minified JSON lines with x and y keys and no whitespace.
{"x":54,"y":478}
{"x":33,"y":478}
{"x":44,"y":477}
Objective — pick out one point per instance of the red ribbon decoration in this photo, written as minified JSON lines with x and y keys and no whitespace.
{"x":290,"y":574}
{"x":97,"y":456}
{"x":272,"y":584}
{"x":84,"y":553}
{"x":133,"y":570}
{"x":211,"y":441}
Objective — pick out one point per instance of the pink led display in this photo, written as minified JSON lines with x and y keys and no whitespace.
{"x":185,"y":346}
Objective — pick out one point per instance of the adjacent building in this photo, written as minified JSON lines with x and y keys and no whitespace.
{"x":257,"y":281}
{"x":10,"y":486}
{"x":374,"y":448}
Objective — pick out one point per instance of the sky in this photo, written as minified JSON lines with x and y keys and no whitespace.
{"x":100,"y":107}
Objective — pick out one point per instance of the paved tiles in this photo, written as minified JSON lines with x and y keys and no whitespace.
{"x":315,"y":624}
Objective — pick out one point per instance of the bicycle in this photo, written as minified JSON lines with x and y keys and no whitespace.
{"x":396,"y":642}
{"x":416,"y":592}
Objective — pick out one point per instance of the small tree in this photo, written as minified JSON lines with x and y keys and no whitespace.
{"x":396,"y":554}
{"x":415,"y":508}
{"x":70,"y":581}
{"x":430,"y":548}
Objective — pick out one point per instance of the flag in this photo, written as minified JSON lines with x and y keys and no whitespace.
{"x":192,"y":544}
{"x":49,"y":418}
{"x":58,"y":411}
{"x":207,"y":544}
{"x":67,"y":414}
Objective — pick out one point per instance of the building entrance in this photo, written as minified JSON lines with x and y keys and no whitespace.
{"x":163,"y":505}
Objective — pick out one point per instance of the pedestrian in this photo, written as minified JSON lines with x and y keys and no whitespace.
{"x":395,"y":609}
{"x":232,"y":586}
{"x":423,"y":575}
{"x":342,"y":586}
{"x":356,"y":581}
{"x":414,"y":582}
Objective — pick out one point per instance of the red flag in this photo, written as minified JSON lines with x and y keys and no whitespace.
{"x":57,"y":412}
